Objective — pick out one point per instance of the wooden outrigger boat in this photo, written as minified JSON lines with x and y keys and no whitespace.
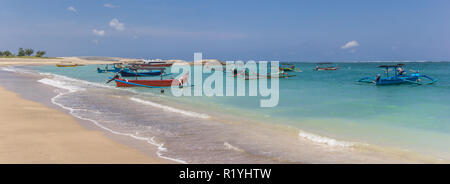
{"x":248,"y":76}
{"x":152,"y":64}
{"x":68,"y":65}
{"x":399,"y":77}
{"x":130,"y":73}
{"x":268,"y":76}
{"x":148,"y":83}
{"x":289,"y":68}
{"x":325,"y":66}
{"x":116,"y":67}
{"x":120,"y":82}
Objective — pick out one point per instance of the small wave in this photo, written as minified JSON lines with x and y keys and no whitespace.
{"x":228,"y":146}
{"x":187,"y":113}
{"x":61,"y":82}
{"x":324,"y":140}
{"x":9,"y":69}
{"x":65,"y":78}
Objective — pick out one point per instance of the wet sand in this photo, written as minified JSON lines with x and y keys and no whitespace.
{"x":31,"y":132}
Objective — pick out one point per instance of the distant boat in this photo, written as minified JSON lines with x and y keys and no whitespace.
{"x":68,"y":65}
{"x":325,"y":66}
{"x":289,"y":68}
{"x":152,"y":64}
{"x":116,"y":67}
{"x":398,"y":77}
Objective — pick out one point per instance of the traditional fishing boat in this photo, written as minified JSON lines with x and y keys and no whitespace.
{"x":134,"y":73}
{"x":153,"y":64}
{"x":268,"y":76}
{"x":120,"y":82}
{"x":289,"y":68}
{"x":68,"y":65}
{"x":162,"y":64}
{"x":248,"y":76}
{"x":399,"y":77}
{"x":325,"y":66}
{"x":116,"y":67}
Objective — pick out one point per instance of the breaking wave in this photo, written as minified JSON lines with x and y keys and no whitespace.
{"x":323,"y":140}
{"x":228,"y":146}
{"x":171,"y":109}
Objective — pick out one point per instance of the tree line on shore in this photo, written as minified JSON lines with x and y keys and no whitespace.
{"x":23,"y":52}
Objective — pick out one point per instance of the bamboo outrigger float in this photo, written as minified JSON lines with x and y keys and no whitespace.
{"x":399,"y":77}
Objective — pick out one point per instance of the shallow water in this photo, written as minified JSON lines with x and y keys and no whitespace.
{"x":322,"y":117}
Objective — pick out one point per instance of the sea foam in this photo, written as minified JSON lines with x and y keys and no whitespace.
{"x":171,"y":109}
{"x":323,"y":140}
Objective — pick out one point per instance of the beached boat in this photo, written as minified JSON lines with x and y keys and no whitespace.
{"x":325,"y":66}
{"x":68,"y":65}
{"x":399,"y":77}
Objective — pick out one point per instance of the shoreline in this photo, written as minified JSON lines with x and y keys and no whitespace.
{"x":33,"y":132}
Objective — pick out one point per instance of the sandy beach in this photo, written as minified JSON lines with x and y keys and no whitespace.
{"x":31,"y":132}
{"x":59,"y":60}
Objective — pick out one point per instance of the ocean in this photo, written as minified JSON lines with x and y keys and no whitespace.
{"x":321,"y":117}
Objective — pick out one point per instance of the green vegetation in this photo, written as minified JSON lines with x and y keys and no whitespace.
{"x":40,"y":53}
{"x":24,"y":53}
{"x":29,"y":52}
{"x":21,"y":52}
{"x":6,"y":53}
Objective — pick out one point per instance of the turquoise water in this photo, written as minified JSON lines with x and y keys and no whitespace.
{"x":332,"y":104}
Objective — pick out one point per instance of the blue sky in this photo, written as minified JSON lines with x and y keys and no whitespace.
{"x":319,"y":30}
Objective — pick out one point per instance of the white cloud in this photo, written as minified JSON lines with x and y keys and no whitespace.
{"x":350,"y":44}
{"x":107,"y":5}
{"x":72,"y":9}
{"x":119,"y":26}
{"x":98,"y":32}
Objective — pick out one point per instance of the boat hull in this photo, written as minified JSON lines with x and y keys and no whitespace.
{"x":139,"y":74}
{"x":148,"y":83}
{"x":324,"y":69}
